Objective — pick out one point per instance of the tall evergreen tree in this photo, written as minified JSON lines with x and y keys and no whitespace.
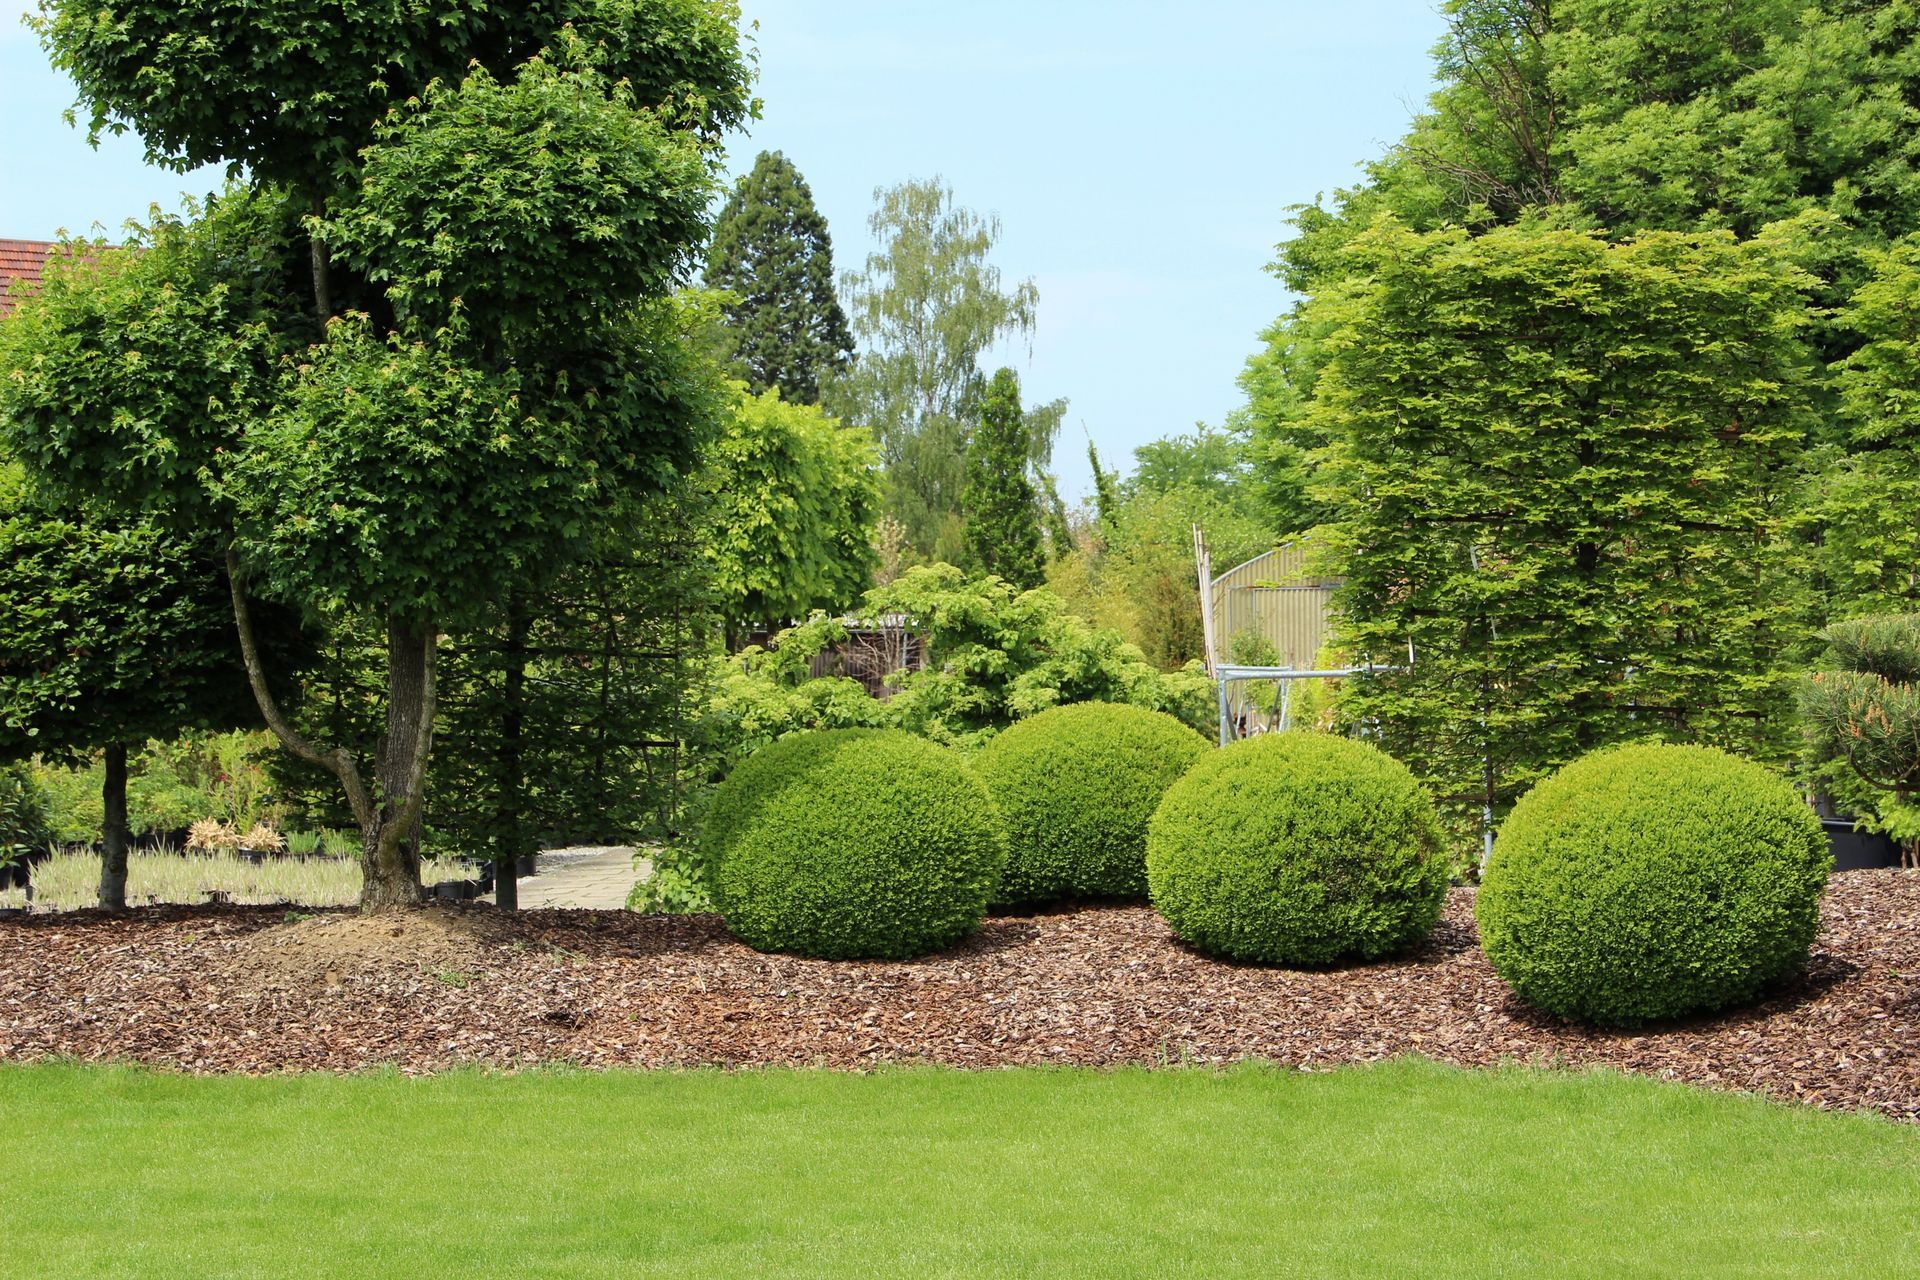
{"x":771,"y":249}
{"x":1002,"y":510}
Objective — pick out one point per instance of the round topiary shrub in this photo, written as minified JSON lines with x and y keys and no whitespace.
{"x":853,"y":843}
{"x":1649,"y":882}
{"x":1077,"y":786}
{"x":1300,"y":849}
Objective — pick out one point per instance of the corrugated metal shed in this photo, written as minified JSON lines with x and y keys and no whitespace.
{"x":1277,"y":596}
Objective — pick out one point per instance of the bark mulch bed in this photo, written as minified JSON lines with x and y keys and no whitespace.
{"x":247,"y":989}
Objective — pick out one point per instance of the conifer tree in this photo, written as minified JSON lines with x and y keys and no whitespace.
{"x":771,"y":249}
{"x":1002,"y":510}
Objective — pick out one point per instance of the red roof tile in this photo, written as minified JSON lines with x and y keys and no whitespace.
{"x":21,"y":262}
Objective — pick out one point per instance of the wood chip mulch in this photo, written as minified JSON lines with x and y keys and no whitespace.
{"x":246,"y":989}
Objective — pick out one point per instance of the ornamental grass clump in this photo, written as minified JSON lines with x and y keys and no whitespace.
{"x":1298,"y":849}
{"x":853,"y":844}
{"x":1077,"y":786}
{"x":1653,"y":881}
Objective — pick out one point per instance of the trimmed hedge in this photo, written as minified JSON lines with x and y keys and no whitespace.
{"x":853,"y":843}
{"x":1299,"y":849}
{"x":1077,"y":786}
{"x":1650,"y":882}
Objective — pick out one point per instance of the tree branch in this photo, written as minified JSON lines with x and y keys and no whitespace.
{"x":336,"y":761}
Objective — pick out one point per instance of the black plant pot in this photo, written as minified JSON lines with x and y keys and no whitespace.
{"x":1858,"y":850}
{"x":457,"y":890}
{"x":255,"y":856}
{"x":527,"y":866}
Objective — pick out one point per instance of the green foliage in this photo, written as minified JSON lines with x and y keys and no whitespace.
{"x":132,"y":372}
{"x":925,"y":307}
{"x":995,"y":655}
{"x":1641,"y":115}
{"x":497,"y":203}
{"x":563,"y":717}
{"x":26,"y":825}
{"x":999,"y":503}
{"x":791,"y":499}
{"x":853,"y":844}
{"x":676,"y":883}
{"x":1076,"y":786}
{"x":294,"y":91}
{"x":401,"y":478}
{"x":172,"y":783}
{"x":1653,"y":881}
{"x":1137,"y":575}
{"x":1869,"y":543}
{"x":1210,"y":459}
{"x":1298,"y":849}
{"x":110,"y":635}
{"x":480,"y":195}
{"x":1561,"y":469}
{"x":771,"y":251}
{"x":1862,"y":720}
{"x":1786,"y":122}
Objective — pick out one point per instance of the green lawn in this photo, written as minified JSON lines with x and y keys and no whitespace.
{"x":1408,"y":1169}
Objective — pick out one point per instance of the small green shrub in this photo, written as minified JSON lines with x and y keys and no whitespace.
{"x":1649,"y":882}
{"x":1300,"y":849}
{"x":676,"y":882}
{"x":24,"y":826}
{"x":1077,"y":786}
{"x":853,"y":843}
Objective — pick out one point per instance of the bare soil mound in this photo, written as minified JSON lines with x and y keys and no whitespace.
{"x":333,"y":948}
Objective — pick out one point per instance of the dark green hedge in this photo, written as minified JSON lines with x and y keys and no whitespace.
{"x":1653,"y":881}
{"x":1300,"y":849}
{"x":1077,"y":785}
{"x":853,"y":843}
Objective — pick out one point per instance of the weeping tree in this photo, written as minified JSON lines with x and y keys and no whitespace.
{"x":486,"y":212}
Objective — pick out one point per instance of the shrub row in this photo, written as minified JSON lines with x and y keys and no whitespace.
{"x":1638,"y":883}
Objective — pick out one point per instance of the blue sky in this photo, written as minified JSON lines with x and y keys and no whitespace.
{"x":1141,"y":157}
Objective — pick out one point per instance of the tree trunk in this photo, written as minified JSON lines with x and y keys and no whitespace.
{"x":114,"y":836}
{"x":390,"y":860}
{"x":510,"y":819}
{"x":322,"y":281}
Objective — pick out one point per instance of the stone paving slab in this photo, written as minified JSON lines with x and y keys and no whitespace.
{"x":597,"y":878}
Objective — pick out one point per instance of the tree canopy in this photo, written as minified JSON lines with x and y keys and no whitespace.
{"x":925,"y":307}
{"x":497,"y":206}
{"x":1000,"y":505}
{"x":1561,"y":470}
{"x":771,"y":251}
{"x":790,"y":497}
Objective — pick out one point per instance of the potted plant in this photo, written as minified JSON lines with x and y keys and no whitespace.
{"x":1864,"y":710}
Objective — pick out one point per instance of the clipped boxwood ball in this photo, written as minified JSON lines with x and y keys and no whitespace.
{"x":1299,"y":849}
{"x":1077,"y":785}
{"x":1652,"y":881}
{"x":853,"y":843}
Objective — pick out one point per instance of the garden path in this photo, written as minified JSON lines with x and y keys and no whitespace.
{"x":597,"y":877}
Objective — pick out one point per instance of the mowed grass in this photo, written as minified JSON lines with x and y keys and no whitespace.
{"x":1407,"y":1169}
